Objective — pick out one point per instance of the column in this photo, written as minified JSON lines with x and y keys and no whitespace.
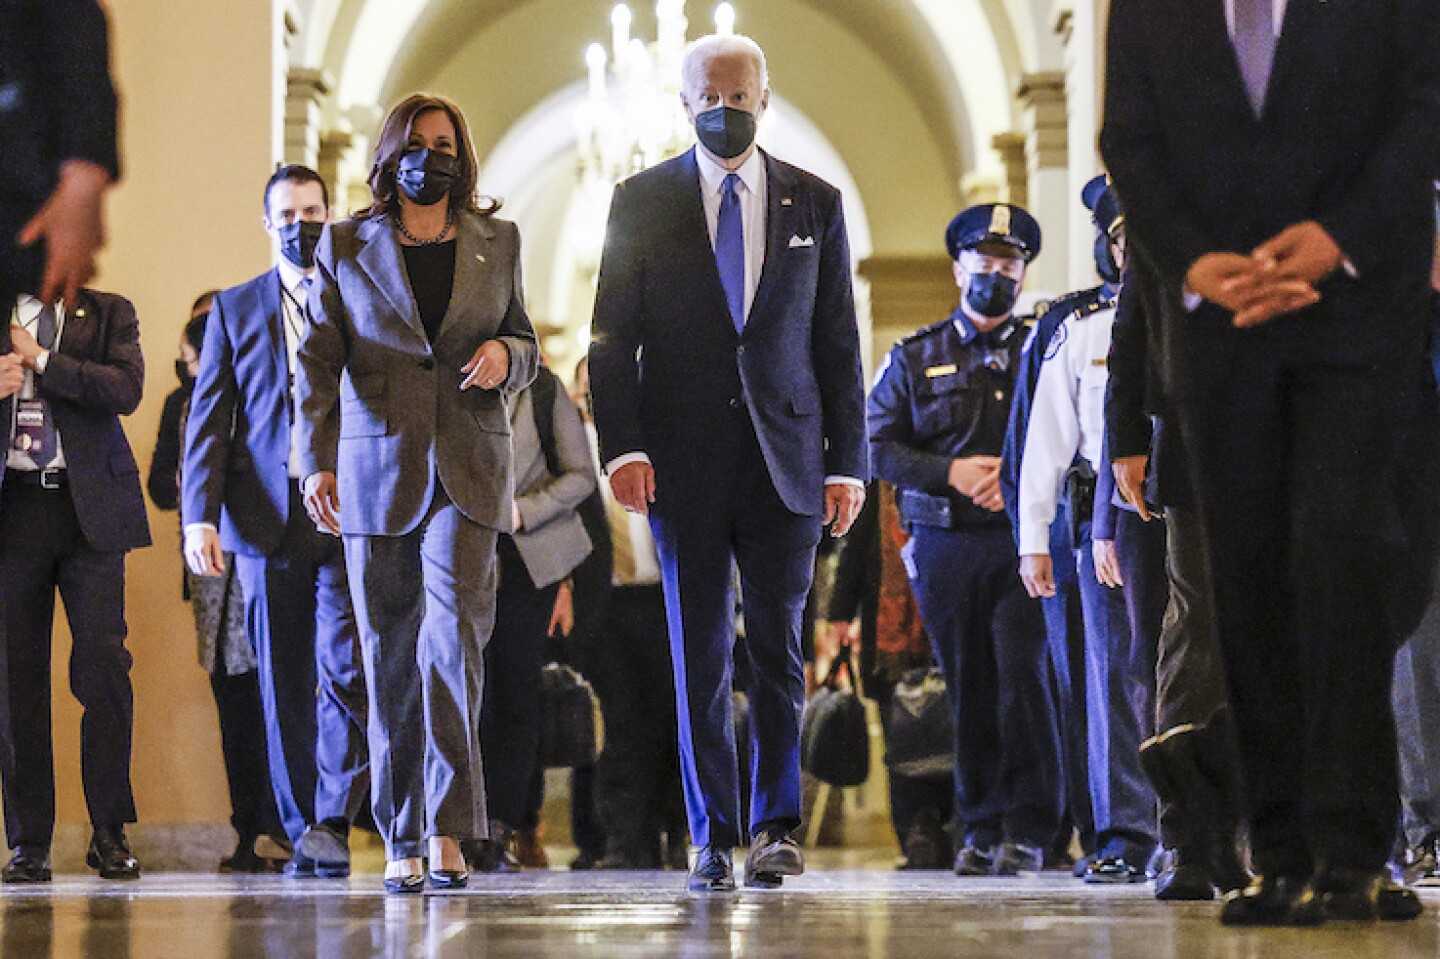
{"x":1043,"y":99}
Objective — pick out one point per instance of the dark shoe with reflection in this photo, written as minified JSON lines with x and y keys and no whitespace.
{"x":405,"y":885}
{"x":1272,"y":901}
{"x":1183,"y":877}
{"x":244,"y":859}
{"x":493,"y":854}
{"x":300,"y":866}
{"x":449,"y":878}
{"x":1114,"y":870}
{"x":1421,"y":865}
{"x":110,"y":853}
{"x":1360,"y":895}
{"x":1016,"y":858}
{"x":27,"y":867}
{"x":773,"y":856}
{"x":712,"y":871}
{"x":972,"y":860}
{"x":327,"y":847}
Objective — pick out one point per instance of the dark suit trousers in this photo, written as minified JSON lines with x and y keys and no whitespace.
{"x":989,"y":639}
{"x":312,"y":688}
{"x":1295,"y":465}
{"x":638,"y":775}
{"x":510,"y":709}
{"x":41,"y":549}
{"x":710,"y":517}
{"x":425,"y":602}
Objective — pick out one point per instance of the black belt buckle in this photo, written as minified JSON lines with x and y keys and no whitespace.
{"x":52,"y":479}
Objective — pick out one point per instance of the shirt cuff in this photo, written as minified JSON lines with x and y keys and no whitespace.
{"x":626,"y":460}
{"x":1192,"y":301}
{"x":1034,"y":539}
{"x":843,"y":481}
{"x":192,"y":527}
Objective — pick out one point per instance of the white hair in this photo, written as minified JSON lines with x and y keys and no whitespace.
{"x":714,"y":46}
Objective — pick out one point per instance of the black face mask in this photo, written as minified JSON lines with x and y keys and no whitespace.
{"x":725,"y":131}
{"x":298,"y":241}
{"x":182,"y":371}
{"x":1105,"y":259}
{"x":991,"y":294}
{"x":426,"y":176}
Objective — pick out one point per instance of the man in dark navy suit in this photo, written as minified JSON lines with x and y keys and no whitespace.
{"x":70,"y":509}
{"x":1275,"y":160}
{"x":729,"y":403}
{"x":241,"y":495}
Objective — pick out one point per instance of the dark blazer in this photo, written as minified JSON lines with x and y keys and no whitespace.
{"x":796,"y":365}
{"x":56,"y":104}
{"x":237,"y":439}
{"x":1349,"y":136}
{"x":381,"y":407}
{"x":92,"y":380}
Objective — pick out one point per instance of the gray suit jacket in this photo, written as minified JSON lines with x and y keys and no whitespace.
{"x":381,"y":408}
{"x":552,"y":539}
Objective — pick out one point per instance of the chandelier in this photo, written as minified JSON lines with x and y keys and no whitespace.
{"x":632,"y":117}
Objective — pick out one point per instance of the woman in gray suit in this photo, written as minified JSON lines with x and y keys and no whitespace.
{"x":417,"y":340}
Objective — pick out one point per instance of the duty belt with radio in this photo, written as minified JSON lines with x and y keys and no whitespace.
{"x":1080,"y":492}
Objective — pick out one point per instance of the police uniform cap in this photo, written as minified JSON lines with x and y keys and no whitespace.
{"x":993,"y":223}
{"x":1101,"y":200}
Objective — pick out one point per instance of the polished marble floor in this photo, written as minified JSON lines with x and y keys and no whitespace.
{"x":827,"y":913}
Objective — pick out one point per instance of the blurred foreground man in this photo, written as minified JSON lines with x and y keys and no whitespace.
{"x":729,"y":403}
{"x":1275,"y":161}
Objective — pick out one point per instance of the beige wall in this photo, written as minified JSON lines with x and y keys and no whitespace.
{"x":197,"y":142}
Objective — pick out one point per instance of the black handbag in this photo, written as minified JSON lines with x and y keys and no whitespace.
{"x":920,"y":739}
{"x":834,"y":731}
{"x":571,"y":731}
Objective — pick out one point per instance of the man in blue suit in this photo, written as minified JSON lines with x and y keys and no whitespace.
{"x":240,"y":494}
{"x":729,"y":402}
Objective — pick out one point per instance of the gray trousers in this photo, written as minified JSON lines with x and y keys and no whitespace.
{"x":1416,"y":697}
{"x":425,"y":602}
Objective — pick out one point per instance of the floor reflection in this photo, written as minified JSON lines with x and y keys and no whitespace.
{"x":637,"y":916}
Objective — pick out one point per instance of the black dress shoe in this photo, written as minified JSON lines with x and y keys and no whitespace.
{"x":712,"y":871}
{"x":772,"y":857}
{"x":493,"y":854}
{"x":1017,"y":859}
{"x":300,"y":866}
{"x":27,"y":867}
{"x":328,"y":849}
{"x":1272,"y":901}
{"x":973,"y":860}
{"x":1360,"y":895}
{"x":1114,"y":869}
{"x":1183,"y":877}
{"x":110,"y":853}
{"x":244,"y":859}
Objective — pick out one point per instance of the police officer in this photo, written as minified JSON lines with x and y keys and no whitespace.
{"x":1064,"y":619}
{"x":1068,"y":421}
{"x":937,"y":417}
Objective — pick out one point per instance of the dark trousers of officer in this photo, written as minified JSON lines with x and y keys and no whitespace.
{"x":703,"y":531}
{"x":1065,"y":630}
{"x":638,"y":776}
{"x":1304,"y":576}
{"x":1416,"y":697}
{"x":1120,"y":683}
{"x":510,"y":707}
{"x":989,"y":638}
{"x":42,"y":549}
{"x":312,"y":686}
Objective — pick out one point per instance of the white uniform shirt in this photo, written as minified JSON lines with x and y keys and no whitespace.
{"x":1067,"y":417}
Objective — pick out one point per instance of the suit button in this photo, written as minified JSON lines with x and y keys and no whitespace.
{"x":427,"y":364}
{"x":740,"y":350}
{"x":734,"y":403}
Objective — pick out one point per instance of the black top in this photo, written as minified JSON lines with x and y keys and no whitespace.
{"x":164,"y":479}
{"x":944,"y":393}
{"x":432,"y":276}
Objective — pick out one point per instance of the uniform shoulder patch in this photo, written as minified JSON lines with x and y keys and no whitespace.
{"x":926,"y":331}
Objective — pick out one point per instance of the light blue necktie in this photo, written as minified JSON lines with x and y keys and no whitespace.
{"x":1255,"y":47}
{"x":730,"y":250}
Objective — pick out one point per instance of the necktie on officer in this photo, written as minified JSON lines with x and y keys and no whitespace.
{"x":1255,"y":42}
{"x":730,"y":250}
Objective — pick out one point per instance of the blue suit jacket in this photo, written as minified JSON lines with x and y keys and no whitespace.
{"x":237,"y":440}
{"x":666,"y":362}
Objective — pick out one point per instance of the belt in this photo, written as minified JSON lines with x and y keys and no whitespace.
{"x":44,"y":479}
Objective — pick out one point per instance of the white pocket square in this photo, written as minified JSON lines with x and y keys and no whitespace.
{"x":797,"y":242}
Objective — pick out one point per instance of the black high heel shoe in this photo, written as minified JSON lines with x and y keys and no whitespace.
{"x":448,"y":878}
{"x":408,"y":884}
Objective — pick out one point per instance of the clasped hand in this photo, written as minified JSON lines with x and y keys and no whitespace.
{"x":1280,"y":276}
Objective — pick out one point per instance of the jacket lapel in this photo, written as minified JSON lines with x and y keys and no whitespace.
{"x":779,"y":210}
{"x":1202,"y":25}
{"x":692,"y":236}
{"x":273,"y":307}
{"x":383,"y":262}
{"x":474,"y":269}
{"x":1293,"y":49}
